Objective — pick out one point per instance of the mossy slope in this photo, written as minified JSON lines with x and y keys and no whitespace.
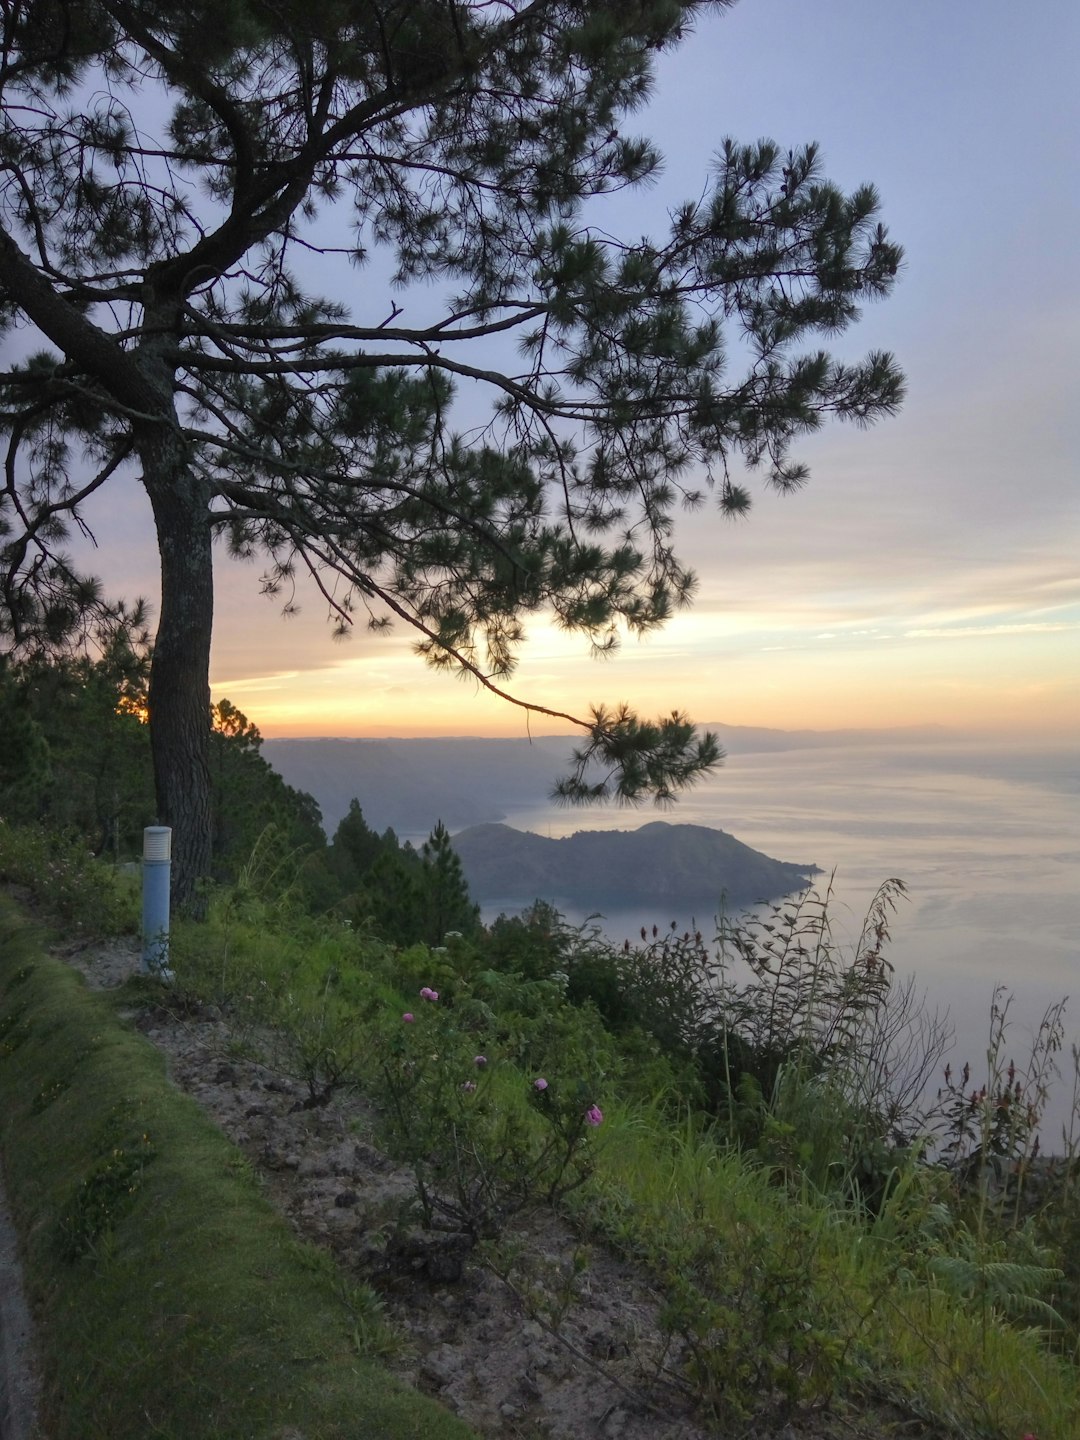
{"x":171,"y":1300}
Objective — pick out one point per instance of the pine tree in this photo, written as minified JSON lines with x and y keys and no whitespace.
{"x":250,"y":804}
{"x":88,"y":769}
{"x":354,"y":849}
{"x":391,"y":894}
{"x":168,"y":170}
{"x":25,"y":756}
{"x":444,"y":894}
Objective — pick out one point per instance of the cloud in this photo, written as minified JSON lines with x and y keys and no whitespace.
{"x":962,"y":632}
{"x":251,"y":683}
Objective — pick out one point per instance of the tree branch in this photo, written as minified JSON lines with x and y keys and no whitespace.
{"x":92,"y":350}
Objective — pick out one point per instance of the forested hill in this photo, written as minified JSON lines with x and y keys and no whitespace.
{"x":657,"y":861}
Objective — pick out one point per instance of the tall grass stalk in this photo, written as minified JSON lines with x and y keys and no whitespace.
{"x":862,"y":1307}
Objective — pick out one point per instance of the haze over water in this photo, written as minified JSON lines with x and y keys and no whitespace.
{"x":986,"y":839}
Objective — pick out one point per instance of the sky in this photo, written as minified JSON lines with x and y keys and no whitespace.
{"x":929,"y":573}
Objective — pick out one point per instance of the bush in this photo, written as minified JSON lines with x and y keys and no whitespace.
{"x":483,"y":1138}
{"x":65,"y":880}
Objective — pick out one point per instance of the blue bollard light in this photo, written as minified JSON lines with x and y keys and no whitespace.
{"x":156,"y":873}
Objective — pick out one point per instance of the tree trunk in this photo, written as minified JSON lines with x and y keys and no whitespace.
{"x":179,"y":696}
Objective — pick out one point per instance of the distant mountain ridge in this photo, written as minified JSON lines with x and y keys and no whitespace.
{"x":754,"y":739}
{"x":410,"y":783}
{"x":659,"y":861}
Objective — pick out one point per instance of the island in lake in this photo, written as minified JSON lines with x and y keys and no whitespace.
{"x":659,"y":861}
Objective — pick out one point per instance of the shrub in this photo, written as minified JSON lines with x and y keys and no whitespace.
{"x":483,"y":1139}
{"x":66,"y":881}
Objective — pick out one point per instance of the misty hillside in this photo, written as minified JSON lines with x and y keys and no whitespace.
{"x":757,"y":739}
{"x":411,"y":783}
{"x":657,"y":862}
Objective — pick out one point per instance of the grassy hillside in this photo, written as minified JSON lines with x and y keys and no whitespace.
{"x":748,"y":1146}
{"x":170,"y":1299}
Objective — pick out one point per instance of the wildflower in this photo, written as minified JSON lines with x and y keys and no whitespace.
{"x":594,"y":1115}
{"x":479,"y":1061}
{"x":408,"y":1017}
{"x":428,"y":994}
{"x":540,"y":1084}
{"x":469,"y":1086}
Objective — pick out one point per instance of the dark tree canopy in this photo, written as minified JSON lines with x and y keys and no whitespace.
{"x":255,"y":817}
{"x":499,"y":414}
{"x":75,"y":750}
{"x":75,"y":757}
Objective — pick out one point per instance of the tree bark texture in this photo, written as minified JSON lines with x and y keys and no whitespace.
{"x":179,"y":698}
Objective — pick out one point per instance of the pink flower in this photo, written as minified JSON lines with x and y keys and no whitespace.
{"x":540,"y":1084}
{"x":469,"y":1086}
{"x":594,"y":1115}
{"x":479,"y":1061}
{"x":408,"y":1017}
{"x":428,"y":994}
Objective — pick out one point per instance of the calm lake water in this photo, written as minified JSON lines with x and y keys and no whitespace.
{"x":987,"y":841}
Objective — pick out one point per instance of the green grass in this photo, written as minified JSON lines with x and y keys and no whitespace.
{"x":170,"y":1300}
{"x":174,"y":1303}
{"x":776,"y":1292}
